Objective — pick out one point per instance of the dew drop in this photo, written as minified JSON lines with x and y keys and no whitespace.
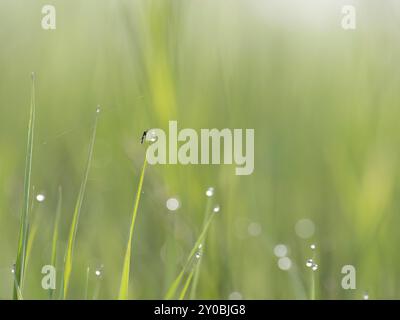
{"x":198,"y":255}
{"x":216,"y":209}
{"x":313,"y":247}
{"x":309,"y":263}
{"x":13,"y":269}
{"x":365,"y":296}
{"x":314,"y":267}
{"x":40,"y":197}
{"x":99,"y":271}
{"x":210,"y":192}
{"x":151,"y":136}
{"x":98,"y":109}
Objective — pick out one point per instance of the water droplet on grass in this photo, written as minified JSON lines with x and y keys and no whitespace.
{"x":151,"y":136}
{"x":210,"y":192}
{"x":309,"y":263}
{"x":40,"y":197}
{"x":313,"y":247}
{"x":216,"y":209}
{"x":99,"y":271}
{"x":314,"y":267}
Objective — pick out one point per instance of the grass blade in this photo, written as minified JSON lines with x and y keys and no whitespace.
{"x":87,"y":283}
{"x":18,"y":290}
{"x":187,"y":284}
{"x":55,"y":230}
{"x":97,"y":288}
{"x":33,"y":226}
{"x":124,"y":286}
{"x":77,"y":211}
{"x":55,"y":234}
{"x":32,"y":230}
{"x":313,"y":284}
{"x":171,"y":293}
{"x":23,"y":233}
{"x":193,"y":290}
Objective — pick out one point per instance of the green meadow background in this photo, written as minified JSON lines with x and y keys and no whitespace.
{"x":324,"y":103}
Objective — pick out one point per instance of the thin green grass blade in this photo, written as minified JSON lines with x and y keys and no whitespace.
{"x":172,"y":291}
{"x":23,"y":233}
{"x":312,"y":284}
{"x":33,"y":226}
{"x":193,"y":289}
{"x":87,"y":283}
{"x":187,"y":284}
{"x":18,"y":290}
{"x":31,"y":238}
{"x":96,"y":292}
{"x":61,"y":291}
{"x":55,"y":234}
{"x":56,"y":228}
{"x":75,"y":218}
{"x":124,"y":286}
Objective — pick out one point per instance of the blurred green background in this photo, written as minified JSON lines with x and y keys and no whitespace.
{"x":324,"y":103}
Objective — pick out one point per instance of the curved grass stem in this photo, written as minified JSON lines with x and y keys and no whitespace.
{"x":124,"y":286}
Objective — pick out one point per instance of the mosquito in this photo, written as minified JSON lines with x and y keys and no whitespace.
{"x":143,"y":136}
